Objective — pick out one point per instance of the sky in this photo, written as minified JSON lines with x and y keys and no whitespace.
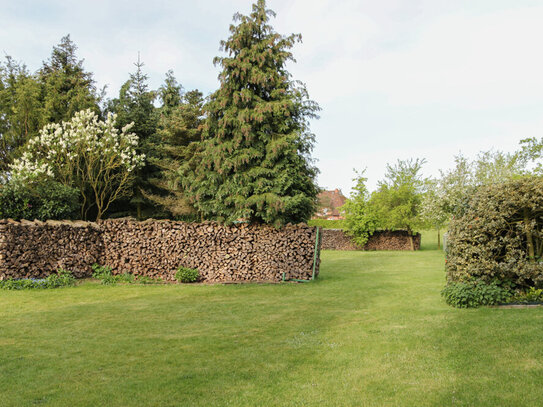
{"x":395,"y":79}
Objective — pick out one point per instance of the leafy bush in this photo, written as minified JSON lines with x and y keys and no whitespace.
{"x":475,"y":293}
{"x":104,"y":274}
{"x":327,"y":223}
{"x":63,"y":278}
{"x":499,"y":235}
{"x":533,"y":295}
{"x":38,"y":200}
{"x":187,"y":275}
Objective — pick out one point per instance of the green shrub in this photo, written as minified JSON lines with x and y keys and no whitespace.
{"x":39,"y":200}
{"x":187,"y":275}
{"x":499,"y":235}
{"x":62,"y":278}
{"x":532,"y":295}
{"x":475,"y":293}
{"x":104,"y":274}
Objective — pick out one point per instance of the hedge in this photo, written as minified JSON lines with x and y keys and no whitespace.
{"x":499,"y":235}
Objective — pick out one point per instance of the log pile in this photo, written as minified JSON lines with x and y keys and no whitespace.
{"x":337,"y":239}
{"x":220,"y":253}
{"x":240,"y":253}
{"x":37,"y":249}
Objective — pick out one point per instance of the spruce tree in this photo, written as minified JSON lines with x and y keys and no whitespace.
{"x":254,"y":161}
{"x":136,"y":104}
{"x":66,"y":87}
{"x":177,"y":137}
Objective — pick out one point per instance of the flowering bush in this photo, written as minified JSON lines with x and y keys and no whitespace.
{"x":86,"y":153}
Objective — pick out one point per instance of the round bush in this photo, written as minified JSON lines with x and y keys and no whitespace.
{"x":187,"y":275}
{"x":499,"y":235}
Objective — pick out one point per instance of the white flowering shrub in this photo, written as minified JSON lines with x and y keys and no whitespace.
{"x":86,"y":153}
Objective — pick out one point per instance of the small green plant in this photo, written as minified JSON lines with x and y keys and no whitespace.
{"x":533,"y":295}
{"x":104,"y":274}
{"x":476,"y":293}
{"x":187,"y":275}
{"x":62,"y":278}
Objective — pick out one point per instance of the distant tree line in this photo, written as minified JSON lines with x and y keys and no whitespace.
{"x":406,"y":200}
{"x":242,"y":153}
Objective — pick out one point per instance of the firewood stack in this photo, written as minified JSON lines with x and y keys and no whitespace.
{"x":37,"y":249}
{"x":239,"y":253}
{"x":220,"y":253}
{"x":337,"y":239}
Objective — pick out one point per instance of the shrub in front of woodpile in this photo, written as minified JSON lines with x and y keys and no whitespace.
{"x":106,"y":277}
{"x":187,"y":275}
{"x":498,"y":236}
{"x":63,"y":278}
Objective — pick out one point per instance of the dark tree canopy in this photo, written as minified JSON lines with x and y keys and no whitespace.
{"x":66,"y":87}
{"x":254,"y":161}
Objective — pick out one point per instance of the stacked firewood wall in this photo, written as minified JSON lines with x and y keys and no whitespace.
{"x":220,"y":253}
{"x":36,"y":249}
{"x":337,"y":239}
{"x":157,"y":248}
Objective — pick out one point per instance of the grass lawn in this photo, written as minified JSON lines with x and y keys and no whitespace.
{"x":371,"y":331}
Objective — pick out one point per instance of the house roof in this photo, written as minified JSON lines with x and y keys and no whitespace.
{"x":330,"y":202}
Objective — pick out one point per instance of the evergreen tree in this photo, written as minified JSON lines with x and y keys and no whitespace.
{"x":66,"y":87}
{"x":179,"y":132}
{"x":170,"y":93}
{"x":254,"y":162}
{"x":136,"y":105}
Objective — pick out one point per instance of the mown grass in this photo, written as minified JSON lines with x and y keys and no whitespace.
{"x":371,"y":331}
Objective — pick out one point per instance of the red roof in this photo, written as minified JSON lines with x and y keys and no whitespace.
{"x":329,"y":204}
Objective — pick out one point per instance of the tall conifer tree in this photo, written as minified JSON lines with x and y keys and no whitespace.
{"x":135,"y":104}
{"x":66,"y":87}
{"x":254,"y":162}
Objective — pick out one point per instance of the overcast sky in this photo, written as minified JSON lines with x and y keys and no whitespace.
{"x":395,"y":78}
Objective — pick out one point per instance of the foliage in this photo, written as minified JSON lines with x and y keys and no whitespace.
{"x":499,"y":235}
{"x":21,"y":111}
{"x":38,"y":200}
{"x":136,"y":105}
{"x":179,"y":131}
{"x":432,"y":213}
{"x":532,"y":152}
{"x":66,"y":87}
{"x":327,"y":223}
{"x":187,"y":275}
{"x":254,"y":161}
{"x":396,"y":203}
{"x":475,"y":293}
{"x":85,"y":153}
{"x":62,"y":278}
{"x":104,"y":274}
{"x":360,"y":220}
{"x":530,"y":296}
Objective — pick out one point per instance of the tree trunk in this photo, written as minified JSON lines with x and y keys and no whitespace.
{"x":529,"y":237}
{"x":411,"y":242}
{"x":438,"y":239}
